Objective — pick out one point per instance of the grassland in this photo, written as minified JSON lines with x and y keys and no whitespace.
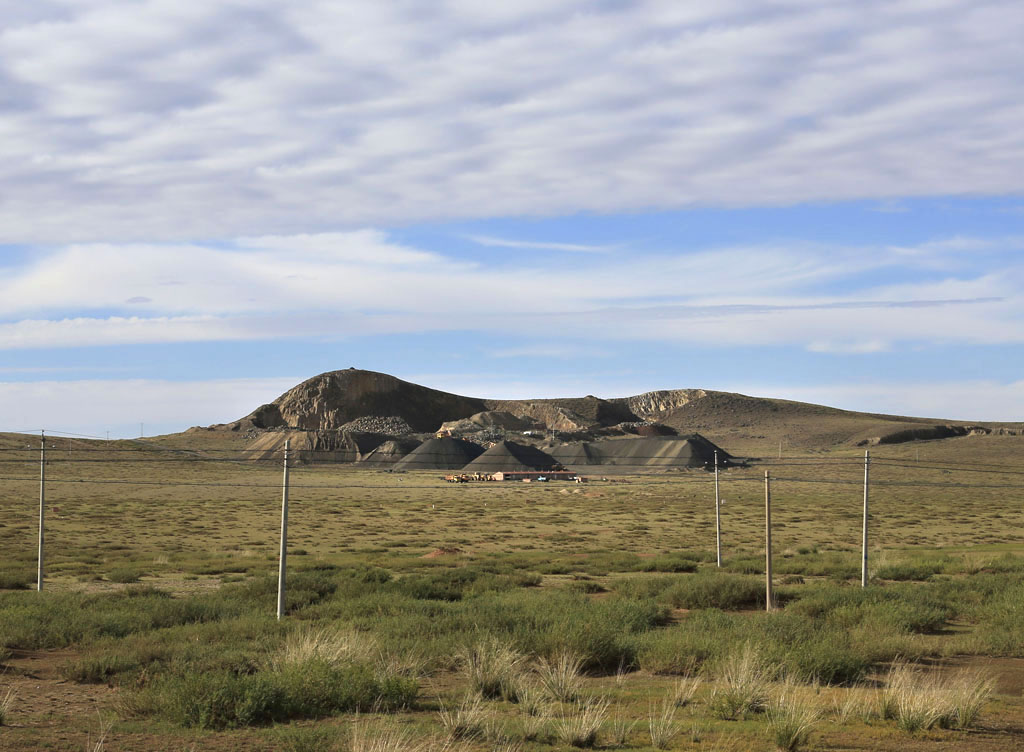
{"x":407,"y":596}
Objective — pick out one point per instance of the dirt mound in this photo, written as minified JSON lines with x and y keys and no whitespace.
{"x":313,"y":446}
{"x":647,"y":428}
{"x":642,"y":454}
{"x":330,"y":400}
{"x":391,"y":425}
{"x":489,"y":419}
{"x":390,"y":452}
{"x":440,"y":454}
{"x":508,"y":456}
{"x":569,"y":414}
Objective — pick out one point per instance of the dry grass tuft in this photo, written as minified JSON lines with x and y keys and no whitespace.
{"x":493,"y":668}
{"x":330,"y":645}
{"x":391,"y":738}
{"x":561,"y":677}
{"x":684,"y":690}
{"x":966,"y":695}
{"x":743,"y":682}
{"x":5,"y":706}
{"x":918,"y":701}
{"x":467,"y":720}
{"x":535,"y":711}
{"x":581,"y":726}
{"x":791,"y":716}
{"x":621,"y":728}
{"x":856,"y":702}
{"x":101,"y":736}
{"x":662,"y":724}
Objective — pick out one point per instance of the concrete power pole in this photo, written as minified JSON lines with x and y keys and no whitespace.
{"x":42,"y":508}
{"x":718,"y":515}
{"x":769,"y":593}
{"x":864,"y":535}
{"x":284,"y":535}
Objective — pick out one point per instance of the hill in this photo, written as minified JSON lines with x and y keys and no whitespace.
{"x":350,"y":412}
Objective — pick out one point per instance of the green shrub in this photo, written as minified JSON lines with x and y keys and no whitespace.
{"x":124,"y":575}
{"x":715,"y":590}
{"x":830,"y":659}
{"x":745,"y":565}
{"x":98,"y":669}
{"x":587,"y":587}
{"x":669,"y":563}
{"x":219,"y":700}
{"x":13,"y":580}
{"x":1007,"y":563}
{"x":909,"y":571}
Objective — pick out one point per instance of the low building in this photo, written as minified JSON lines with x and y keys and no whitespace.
{"x":534,"y":475}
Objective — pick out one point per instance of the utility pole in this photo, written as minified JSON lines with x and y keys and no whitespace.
{"x":718,"y":515}
{"x":42,"y":507}
{"x":769,"y":594}
{"x":864,"y":536}
{"x":284,"y":534}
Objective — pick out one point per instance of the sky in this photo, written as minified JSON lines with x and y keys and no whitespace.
{"x":203,"y":204}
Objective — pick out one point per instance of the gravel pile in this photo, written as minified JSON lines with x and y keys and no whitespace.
{"x":390,"y":426}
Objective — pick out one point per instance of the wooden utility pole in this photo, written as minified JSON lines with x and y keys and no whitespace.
{"x":283,"y":563}
{"x":718,"y":515}
{"x":42,"y":508}
{"x":769,"y":594}
{"x":864,"y":535}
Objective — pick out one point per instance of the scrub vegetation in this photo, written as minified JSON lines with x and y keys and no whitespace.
{"x":506,"y":616}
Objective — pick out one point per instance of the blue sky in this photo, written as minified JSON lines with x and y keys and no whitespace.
{"x":201,"y":206}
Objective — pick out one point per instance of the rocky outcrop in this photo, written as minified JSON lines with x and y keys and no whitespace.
{"x":331,"y":400}
{"x":655,"y":404}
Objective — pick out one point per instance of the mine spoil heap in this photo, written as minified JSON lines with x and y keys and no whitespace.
{"x":508,"y":456}
{"x":445,"y":453}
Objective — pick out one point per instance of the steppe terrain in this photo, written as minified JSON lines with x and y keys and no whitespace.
{"x":507,"y":615}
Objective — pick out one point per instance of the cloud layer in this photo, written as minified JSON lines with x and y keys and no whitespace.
{"x":824,"y":298}
{"x":158,"y":120}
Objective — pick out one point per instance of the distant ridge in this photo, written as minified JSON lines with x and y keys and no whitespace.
{"x":347,"y":411}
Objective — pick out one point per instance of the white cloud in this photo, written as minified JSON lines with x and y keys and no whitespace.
{"x":493,"y":242}
{"x":94,"y":406}
{"x":159,"y":120}
{"x":361,"y":283}
{"x":118,"y":330}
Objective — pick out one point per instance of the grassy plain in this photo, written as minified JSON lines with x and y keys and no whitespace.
{"x":158,"y":615}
